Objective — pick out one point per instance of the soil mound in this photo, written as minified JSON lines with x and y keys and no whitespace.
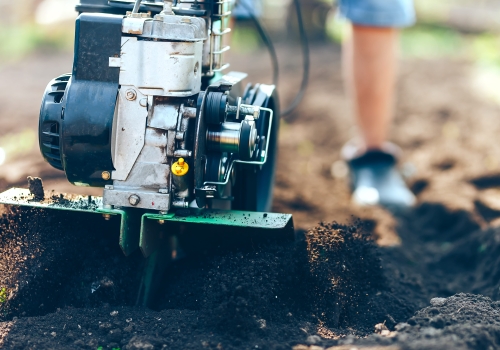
{"x":463,"y":321}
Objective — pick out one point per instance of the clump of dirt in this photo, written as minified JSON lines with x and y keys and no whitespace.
{"x":343,"y":274}
{"x":36,"y":188}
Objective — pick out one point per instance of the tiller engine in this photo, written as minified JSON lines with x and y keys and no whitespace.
{"x":185,"y":155}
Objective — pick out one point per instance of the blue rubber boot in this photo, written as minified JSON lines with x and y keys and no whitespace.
{"x":375,"y":180}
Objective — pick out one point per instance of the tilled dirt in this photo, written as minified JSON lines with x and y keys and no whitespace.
{"x":64,"y":283}
{"x":50,"y":260}
{"x":328,"y":288}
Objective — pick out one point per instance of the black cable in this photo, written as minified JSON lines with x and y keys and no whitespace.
{"x":305,"y":64}
{"x":266,"y":39}
{"x":274,"y":58}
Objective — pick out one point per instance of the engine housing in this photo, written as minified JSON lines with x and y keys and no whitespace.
{"x":137,"y":105}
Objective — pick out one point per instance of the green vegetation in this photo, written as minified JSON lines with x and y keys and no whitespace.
{"x":431,"y":41}
{"x":3,"y":295}
{"x":244,"y":39}
{"x":485,"y":49}
{"x":17,"y":41}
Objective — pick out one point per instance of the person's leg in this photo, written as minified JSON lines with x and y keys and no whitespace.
{"x":370,"y":65}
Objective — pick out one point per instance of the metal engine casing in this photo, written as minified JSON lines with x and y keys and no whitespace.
{"x":134,"y":104}
{"x":152,"y":117}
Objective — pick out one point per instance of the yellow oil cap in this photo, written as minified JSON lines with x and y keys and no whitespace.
{"x":180,"y":168}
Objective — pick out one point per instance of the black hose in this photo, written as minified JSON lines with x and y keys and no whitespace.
{"x":274,"y":58}
{"x":306,"y":64}
{"x":266,"y":39}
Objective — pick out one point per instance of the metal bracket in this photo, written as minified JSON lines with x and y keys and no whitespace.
{"x":145,"y":230}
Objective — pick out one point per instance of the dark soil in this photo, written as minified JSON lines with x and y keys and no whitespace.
{"x":329,"y":287}
{"x":51,"y":258}
{"x":274,"y":293}
{"x":64,"y":283}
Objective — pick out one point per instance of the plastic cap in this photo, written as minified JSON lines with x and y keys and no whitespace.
{"x":180,"y":168}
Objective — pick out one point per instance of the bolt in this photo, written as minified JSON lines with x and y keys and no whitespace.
{"x":189,"y":112}
{"x":182,"y":153}
{"x":106,"y":217}
{"x":256,"y":112}
{"x":134,"y":199}
{"x":131,"y":95}
{"x":106,"y":175}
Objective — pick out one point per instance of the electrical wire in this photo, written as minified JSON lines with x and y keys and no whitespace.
{"x":266,"y":39}
{"x":274,"y":58}
{"x":306,"y":63}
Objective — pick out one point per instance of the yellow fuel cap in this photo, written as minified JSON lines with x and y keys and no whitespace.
{"x":180,"y":168}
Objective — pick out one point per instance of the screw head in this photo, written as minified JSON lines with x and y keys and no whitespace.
{"x":131,"y":94}
{"x":134,"y":199}
{"x":106,"y":175}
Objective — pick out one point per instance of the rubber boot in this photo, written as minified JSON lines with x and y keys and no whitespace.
{"x":375,"y":178}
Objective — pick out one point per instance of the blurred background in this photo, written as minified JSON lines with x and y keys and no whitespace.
{"x":458,"y":28}
{"x":447,"y":112}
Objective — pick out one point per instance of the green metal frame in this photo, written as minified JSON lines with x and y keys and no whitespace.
{"x":138,"y":228}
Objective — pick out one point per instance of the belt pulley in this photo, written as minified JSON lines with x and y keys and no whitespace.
{"x":234,"y":132}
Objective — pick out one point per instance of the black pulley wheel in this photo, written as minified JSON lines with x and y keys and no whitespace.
{"x":253,"y":188}
{"x":215,"y":108}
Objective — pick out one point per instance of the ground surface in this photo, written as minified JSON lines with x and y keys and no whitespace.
{"x":65,"y":284}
